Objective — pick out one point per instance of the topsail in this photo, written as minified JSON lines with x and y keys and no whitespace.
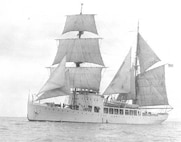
{"x":146,"y":55}
{"x":82,"y":22}
{"x":79,"y":50}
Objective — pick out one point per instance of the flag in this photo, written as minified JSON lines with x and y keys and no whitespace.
{"x":170,"y":65}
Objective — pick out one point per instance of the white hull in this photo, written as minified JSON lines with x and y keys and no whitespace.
{"x":41,"y":112}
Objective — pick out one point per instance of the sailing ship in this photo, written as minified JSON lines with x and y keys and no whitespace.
{"x":137,"y":89}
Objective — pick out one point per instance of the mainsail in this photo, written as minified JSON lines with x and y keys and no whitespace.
{"x":123,"y":81}
{"x":82,"y":77}
{"x":85,"y":77}
{"x":151,"y":87}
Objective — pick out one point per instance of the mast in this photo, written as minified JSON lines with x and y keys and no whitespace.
{"x":136,"y":65}
{"x":77,"y":50}
{"x":80,"y":33}
{"x":149,"y":84}
{"x":81,"y":8}
{"x":77,"y":64}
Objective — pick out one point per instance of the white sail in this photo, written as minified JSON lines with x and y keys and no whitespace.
{"x":123,"y":80}
{"x":146,"y":55}
{"x":56,"y":79}
{"x":53,"y":93}
{"x":79,"y":50}
{"x":85,"y":77}
{"x":151,"y":87}
{"x":82,"y":22}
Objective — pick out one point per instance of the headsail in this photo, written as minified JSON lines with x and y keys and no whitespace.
{"x":82,"y":22}
{"x":56,"y":82}
{"x":123,"y":80}
{"x":53,"y":93}
{"x":79,"y":50}
{"x":145,"y":55}
{"x":151,"y":87}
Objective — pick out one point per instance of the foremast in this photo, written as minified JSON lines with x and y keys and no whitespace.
{"x":85,"y":75}
{"x":80,"y":32}
{"x":79,"y":62}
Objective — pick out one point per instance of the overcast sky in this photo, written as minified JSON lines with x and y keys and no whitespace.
{"x":28,"y":29}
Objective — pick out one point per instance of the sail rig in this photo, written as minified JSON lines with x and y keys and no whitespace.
{"x":134,"y":81}
{"x":78,"y":50}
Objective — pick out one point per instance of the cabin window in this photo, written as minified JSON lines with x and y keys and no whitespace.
{"x":126,"y":112}
{"x":110,"y":110}
{"x":96,"y":109}
{"x":135,"y":112}
{"x":121,"y":111}
{"x":105,"y":110}
{"x":90,"y":108}
{"x":115,"y":111}
{"x":131,"y":112}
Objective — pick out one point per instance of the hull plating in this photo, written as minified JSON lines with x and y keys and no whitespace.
{"x":38,"y":112}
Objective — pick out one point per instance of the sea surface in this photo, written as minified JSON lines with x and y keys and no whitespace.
{"x":21,"y":130}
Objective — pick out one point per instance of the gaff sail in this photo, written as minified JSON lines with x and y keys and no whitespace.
{"x":151,"y":87}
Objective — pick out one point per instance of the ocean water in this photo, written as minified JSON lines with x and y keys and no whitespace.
{"x":22,"y":130}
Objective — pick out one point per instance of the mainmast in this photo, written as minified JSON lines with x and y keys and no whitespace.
{"x":136,"y":65}
{"x":147,"y":88}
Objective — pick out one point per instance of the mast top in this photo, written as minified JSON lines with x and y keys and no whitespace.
{"x":80,"y":32}
{"x":138,"y":27}
{"x":81,"y":8}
